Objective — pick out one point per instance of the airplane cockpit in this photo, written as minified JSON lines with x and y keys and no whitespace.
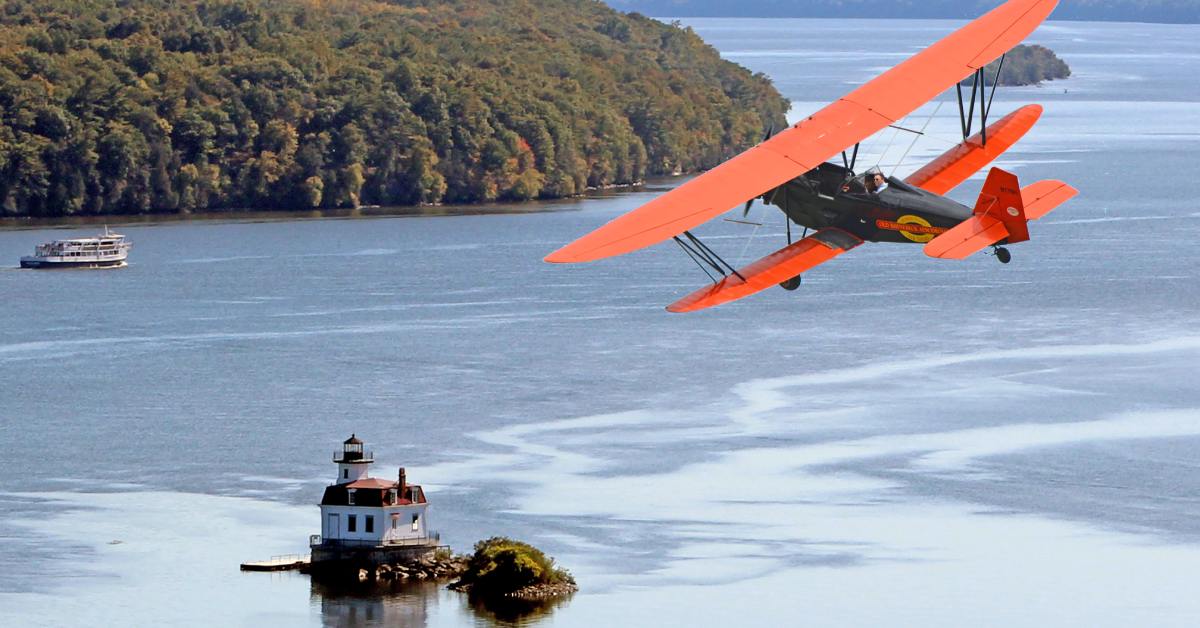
{"x":870,"y":181}
{"x":834,"y":180}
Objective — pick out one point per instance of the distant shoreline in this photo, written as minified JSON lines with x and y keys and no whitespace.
{"x":28,"y":223}
{"x":278,"y":215}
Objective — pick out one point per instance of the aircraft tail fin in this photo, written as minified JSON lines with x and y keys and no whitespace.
{"x":1001,"y":199}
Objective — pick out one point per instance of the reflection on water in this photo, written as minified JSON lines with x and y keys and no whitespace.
{"x":375,"y":603}
{"x":515,"y":612}
{"x":394,"y":603}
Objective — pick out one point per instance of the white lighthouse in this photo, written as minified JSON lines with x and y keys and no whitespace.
{"x":359,"y":512}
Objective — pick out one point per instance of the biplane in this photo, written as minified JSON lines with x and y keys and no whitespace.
{"x":795,"y":172}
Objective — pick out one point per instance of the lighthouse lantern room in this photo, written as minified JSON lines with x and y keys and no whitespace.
{"x":352,"y":461}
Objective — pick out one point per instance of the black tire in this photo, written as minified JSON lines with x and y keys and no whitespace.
{"x":1003,"y":255}
{"x":791,"y":284}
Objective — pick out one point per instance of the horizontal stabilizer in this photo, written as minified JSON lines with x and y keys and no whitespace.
{"x":968,"y":237}
{"x":999,"y":215}
{"x":1043,"y":196}
{"x":771,"y":270}
{"x":958,"y":164}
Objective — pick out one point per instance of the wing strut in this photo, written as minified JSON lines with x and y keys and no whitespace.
{"x":849,"y":163}
{"x":699,"y":252}
{"x":966,"y":115}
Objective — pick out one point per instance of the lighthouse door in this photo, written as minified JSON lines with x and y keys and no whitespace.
{"x":332,"y":528}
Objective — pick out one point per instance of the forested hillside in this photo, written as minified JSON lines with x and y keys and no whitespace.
{"x":115,"y":106}
{"x":1180,"y":11}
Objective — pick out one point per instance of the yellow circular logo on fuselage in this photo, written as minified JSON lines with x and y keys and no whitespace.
{"x":915,"y":235}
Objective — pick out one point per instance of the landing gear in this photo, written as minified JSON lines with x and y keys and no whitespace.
{"x":791,"y":284}
{"x":1003,"y":255}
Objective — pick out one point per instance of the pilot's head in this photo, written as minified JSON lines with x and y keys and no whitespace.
{"x":877,"y":179}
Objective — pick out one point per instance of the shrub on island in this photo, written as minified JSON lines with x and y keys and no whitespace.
{"x":503,"y":567}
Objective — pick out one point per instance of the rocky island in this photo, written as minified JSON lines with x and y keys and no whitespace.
{"x":502,"y":578}
{"x":504,"y":568}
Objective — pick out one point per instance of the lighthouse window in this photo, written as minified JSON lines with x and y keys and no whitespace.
{"x":416,"y":524}
{"x":351,"y":523}
{"x":350,"y":497}
{"x":395,"y":522}
{"x":369,"y":526}
{"x":345,"y":474}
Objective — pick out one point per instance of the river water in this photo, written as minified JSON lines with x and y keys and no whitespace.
{"x":901,"y":441}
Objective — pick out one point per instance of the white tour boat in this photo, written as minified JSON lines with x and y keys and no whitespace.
{"x":107,"y":250}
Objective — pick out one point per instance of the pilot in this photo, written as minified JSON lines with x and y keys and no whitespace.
{"x":876,"y":183}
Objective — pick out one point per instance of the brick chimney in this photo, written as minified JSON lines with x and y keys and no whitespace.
{"x":403,"y":488}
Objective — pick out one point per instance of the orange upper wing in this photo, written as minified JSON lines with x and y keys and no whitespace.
{"x":864,"y":111}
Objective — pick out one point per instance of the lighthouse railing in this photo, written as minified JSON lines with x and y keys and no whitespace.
{"x":354,"y":456}
{"x":432,"y":538}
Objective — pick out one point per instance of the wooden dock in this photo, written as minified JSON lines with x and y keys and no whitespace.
{"x":286,"y":562}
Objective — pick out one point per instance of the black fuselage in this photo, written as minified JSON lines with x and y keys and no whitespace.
{"x":831,"y":196}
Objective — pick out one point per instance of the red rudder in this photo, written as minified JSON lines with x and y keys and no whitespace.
{"x":1001,"y":199}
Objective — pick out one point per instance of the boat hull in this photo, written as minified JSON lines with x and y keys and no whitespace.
{"x":45,"y":264}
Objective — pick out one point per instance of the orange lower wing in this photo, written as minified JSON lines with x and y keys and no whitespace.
{"x":771,"y":270}
{"x":1043,"y":196}
{"x":957,"y":164}
{"x":969,"y":236}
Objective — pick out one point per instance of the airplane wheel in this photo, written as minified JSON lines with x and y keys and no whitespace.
{"x":1003,"y":255}
{"x":791,"y":284}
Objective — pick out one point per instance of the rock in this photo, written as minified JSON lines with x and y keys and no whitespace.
{"x":543,"y":591}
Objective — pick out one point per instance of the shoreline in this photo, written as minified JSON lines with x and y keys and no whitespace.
{"x":31,"y":223}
